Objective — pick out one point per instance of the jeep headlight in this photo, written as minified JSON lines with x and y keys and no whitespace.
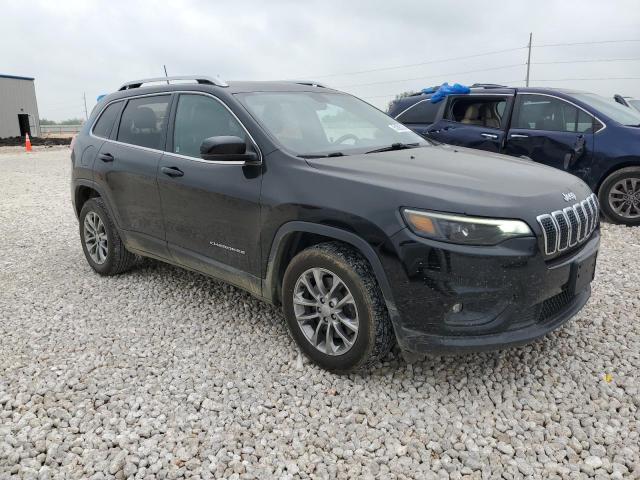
{"x":463,"y":229}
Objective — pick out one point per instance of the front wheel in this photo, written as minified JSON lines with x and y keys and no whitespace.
{"x":334,"y":308}
{"x":619,"y":196}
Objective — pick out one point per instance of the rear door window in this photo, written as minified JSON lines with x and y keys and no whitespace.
{"x":144,"y":122}
{"x":103,"y":126}
{"x":477,"y":110}
{"x":540,"y":112}
{"x":422,"y":112}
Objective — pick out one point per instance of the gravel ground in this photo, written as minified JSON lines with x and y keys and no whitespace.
{"x":163,"y":373}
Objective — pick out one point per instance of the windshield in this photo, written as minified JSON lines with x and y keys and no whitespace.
{"x":611,"y":108}
{"x":634,"y":103}
{"x":310,"y":123}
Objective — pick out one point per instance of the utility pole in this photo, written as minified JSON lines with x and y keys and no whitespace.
{"x":529,"y":60}
{"x":84,"y":96}
{"x":165,"y":73}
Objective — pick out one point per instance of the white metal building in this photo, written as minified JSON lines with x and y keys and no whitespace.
{"x":18,"y":107}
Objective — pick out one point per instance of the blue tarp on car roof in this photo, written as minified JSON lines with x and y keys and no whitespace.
{"x":444,"y":90}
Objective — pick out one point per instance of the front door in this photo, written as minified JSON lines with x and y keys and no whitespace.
{"x":211,"y":209}
{"x":552,"y":131}
{"x":474,"y":121}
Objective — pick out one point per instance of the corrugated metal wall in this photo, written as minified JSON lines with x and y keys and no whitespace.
{"x":17,"y":96}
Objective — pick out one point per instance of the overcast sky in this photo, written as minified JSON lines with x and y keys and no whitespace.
{"x":72,"y":47}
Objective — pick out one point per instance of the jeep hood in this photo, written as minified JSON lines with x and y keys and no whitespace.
{"x":460,"y":180}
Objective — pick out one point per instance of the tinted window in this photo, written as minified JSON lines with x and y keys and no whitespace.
{"x":421,"y":112}
{"x":143,"y":122}
{"x":199,"y":117}
{"x":584,"y":122}
{"x":484,"y":112}
{"x":539,"y":112}
{"x":103,"y":126}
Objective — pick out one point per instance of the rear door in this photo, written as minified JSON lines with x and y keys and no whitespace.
{"x":126,"y":167}
{"x":553,"y":131}
{"x":211,"y":208}
{"x":474,"y":121}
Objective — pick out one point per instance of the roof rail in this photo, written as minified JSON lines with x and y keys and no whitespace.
{"x":309,"y":83}
{"x":198,"y":78}
{"x":488,"y":85}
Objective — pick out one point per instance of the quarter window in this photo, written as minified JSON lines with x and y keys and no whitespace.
{"x":199,"y":117}
{"x":143,"y":122}
{"x":103,"y":126}
{"x":539,"y":112}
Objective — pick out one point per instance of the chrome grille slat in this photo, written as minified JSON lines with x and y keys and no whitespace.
{"x":583,"y":221}
{"x":570,"y":226}
{"x":574,"y":225}
{"x":563,"y":230}
{"x":587,"y":210}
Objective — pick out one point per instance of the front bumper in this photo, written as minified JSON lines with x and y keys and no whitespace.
{"x":509,"y":294}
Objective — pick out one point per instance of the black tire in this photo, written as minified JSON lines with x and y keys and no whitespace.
{"x":118,"y":259}
{"x":603,"y":195}
{"x":375,"y":336}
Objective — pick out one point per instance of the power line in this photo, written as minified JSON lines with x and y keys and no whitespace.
{"x":466,"y":57}
{"x":432,"y":76}
{"x":581,"y":79}
{"x":544,"y":45}
{"x":632,"y":59}
{"x":429,"y":62}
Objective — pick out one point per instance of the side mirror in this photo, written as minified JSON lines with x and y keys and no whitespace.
{"x":226,"y":149}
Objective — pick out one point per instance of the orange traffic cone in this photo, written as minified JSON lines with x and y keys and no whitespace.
{"x":27,"y":143}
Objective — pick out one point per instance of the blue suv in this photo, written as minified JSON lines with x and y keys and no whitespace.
{"x":585,"y":134}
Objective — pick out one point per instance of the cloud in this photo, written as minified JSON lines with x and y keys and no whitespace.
{"x":74,"y":47}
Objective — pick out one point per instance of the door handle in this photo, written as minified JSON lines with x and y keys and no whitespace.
{"x":106,"y":157}
{"x":172,"y":171}
{"x":492,"y":136}
{"x":518,"y":135}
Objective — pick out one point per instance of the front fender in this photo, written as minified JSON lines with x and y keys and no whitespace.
{"x":270,"y":287}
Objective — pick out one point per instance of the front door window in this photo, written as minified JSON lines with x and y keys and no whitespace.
{"x":199,"y":117}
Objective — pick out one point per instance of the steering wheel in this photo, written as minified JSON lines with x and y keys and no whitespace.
{"x":347,"y":136}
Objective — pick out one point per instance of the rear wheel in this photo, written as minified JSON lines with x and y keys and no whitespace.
{"x":334,"y":308}
{"x":619,"y":196}
{"x":101,"y":242}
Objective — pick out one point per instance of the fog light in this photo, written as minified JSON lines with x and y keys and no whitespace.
{"x":457,"y":307}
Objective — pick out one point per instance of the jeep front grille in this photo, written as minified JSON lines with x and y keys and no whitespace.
{"x":566,"y":228}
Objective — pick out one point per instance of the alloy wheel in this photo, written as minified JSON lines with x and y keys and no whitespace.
{"x":326,"y":311}
{"x":624,"y":197}
{"x":95,"y":238}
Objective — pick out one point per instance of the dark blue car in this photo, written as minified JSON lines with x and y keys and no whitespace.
{"x":590,"y":136}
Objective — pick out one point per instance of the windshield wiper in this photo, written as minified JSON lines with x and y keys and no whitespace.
{"x":332,"y":154}
{"x":395,"y":146}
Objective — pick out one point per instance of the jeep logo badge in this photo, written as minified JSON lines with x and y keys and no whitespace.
{"x":569,"y":196}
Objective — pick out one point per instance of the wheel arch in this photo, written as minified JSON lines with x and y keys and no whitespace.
{"x":84,"y":190}
{"x":625,"y":163}
{"x":293,"y":237}
{"x":83,"y":193}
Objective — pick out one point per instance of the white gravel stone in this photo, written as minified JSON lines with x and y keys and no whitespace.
{"x":163,"y":373}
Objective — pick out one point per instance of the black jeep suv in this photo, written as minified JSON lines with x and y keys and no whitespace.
{"x":309,"y":198}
